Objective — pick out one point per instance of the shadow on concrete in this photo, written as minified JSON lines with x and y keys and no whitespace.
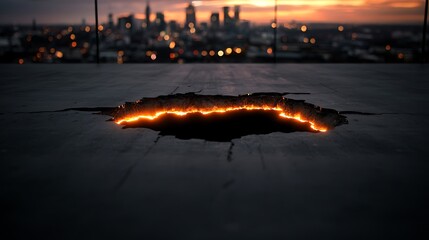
{"x":222,"y":127}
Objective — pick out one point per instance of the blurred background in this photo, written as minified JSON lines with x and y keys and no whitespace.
{"x":212,"y":31}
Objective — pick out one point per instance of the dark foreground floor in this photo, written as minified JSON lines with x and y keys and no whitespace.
{"x":72,"y":175}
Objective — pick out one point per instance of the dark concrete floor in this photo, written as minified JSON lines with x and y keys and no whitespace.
{"x":72,"y":175}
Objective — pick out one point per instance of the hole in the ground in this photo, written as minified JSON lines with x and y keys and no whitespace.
{"x":223,"y":118}
{"x":222,"y":127}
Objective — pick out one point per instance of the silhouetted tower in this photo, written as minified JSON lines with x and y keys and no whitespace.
{"x":160,"y":21}
{"x":237,"y":13}
{"x":190,"y":16}
{"x":173,"y":26}
{"x":34,"y":26}
{"x":147,"y":14}
{"x":226,"y":17}
{"x":215,"y":21}
{"x":111,"y":23}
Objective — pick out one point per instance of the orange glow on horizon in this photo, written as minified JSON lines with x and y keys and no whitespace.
{"x":261,"y":12}
{"x":255,"y":11}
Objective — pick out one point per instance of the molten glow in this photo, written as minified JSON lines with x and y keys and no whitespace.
{"x":300,"y":119}
{"x":283,"y":114}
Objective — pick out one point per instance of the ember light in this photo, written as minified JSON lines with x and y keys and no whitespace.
{"x":154,"y":109}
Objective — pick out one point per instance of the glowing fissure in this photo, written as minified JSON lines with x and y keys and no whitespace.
{"x":184,"y":112}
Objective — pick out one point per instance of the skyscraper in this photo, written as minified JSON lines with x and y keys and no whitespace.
{"x":160,"y":21}
{"x":226,"y":17}
{"x":215,"y":20}
{"x":237,"y":14}
{"x":34,"y":25}
{"x":111,"y":24}
{"x":126,"y":23}
{"x":190,"y":16}
{"x":147,"y":14}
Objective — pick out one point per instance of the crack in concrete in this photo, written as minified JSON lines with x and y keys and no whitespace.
{"x":174,"y":90}
{"x":228,"y":183}
{"x":133,"y":166}
{"x":229,"y":155}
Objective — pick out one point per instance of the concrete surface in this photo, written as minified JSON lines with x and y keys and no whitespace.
{"x":72,"y":175}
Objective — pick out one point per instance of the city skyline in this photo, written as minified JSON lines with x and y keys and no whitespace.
{"x":259,"y":12}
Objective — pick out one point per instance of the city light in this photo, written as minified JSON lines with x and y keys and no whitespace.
{"x":172,"y":45}
{"x":120,"y":57}
{"x":59,"y":54}
{"x":163,"y":37}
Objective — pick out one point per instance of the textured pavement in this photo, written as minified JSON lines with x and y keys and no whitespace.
{"x":74,"y":175}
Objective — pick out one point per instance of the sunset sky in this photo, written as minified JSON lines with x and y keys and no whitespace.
{"x":339,"y":11}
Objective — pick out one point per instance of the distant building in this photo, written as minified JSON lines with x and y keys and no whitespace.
{"x":34,"y":25}
{"x":111,"y":23}
{"x":226,"y":18}
{"x":173,"y":26}
{"x":204,"y":26}
{"x":190,"y":16}
{"x":244,"y":26}
{"x":126,"y":23}
{"x":147,"y":15}
{"x":122,"y":21}
{"x":139,"y":24}
{"x":237,"y":14}
{"x":215,"y":21}
{"x":160,"y":21}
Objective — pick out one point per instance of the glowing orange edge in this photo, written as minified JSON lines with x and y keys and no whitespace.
{"x":296,"y":117}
